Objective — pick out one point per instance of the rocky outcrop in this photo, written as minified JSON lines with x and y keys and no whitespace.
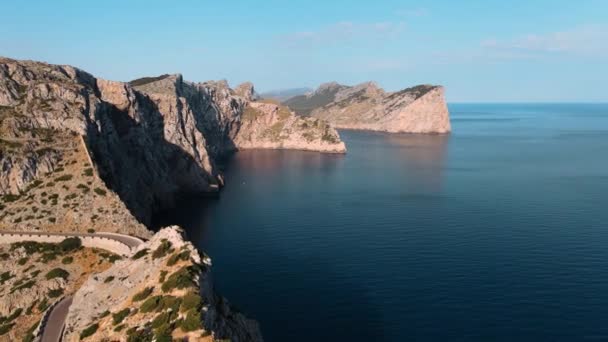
{"x":420,"y":109}
{"x":148,"y":142}
{"x":164,"y":290}
{"x":270,"y":125}
{"x":238,"y":119}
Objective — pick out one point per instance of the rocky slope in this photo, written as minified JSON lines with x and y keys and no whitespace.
{"x":141,"y":144}
{"x":34,"y":275}
{"x":420,"y":109}
{"x":163,"y":291}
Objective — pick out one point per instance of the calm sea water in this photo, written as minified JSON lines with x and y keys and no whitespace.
{"x":497,"y":232}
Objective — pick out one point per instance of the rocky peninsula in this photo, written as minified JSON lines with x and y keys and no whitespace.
{"x":419,"y":109}
{"x":87,"y":155}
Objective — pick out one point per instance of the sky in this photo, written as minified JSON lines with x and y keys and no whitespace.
{"x":480,"y":50}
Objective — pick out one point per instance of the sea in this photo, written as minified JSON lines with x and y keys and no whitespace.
{"x":495,"y":232}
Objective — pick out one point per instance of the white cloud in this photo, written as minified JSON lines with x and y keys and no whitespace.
{"x":584,"y":40}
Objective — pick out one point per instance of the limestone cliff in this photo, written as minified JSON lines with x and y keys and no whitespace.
{"x":163,"y":291}
{"x":236,"y":119}
{"x":124,"y":146}
{"x":420,"y":109}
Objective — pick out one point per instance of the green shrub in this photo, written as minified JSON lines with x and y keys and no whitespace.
{"x":6,"y":276}
{"x":184,"y":255}
{"x":30,"y":309}
{"x":90,"y":330}
{"x":108,"y":279}
{"x":162,"y":249}
{"x":161,"y":319}
{"x":83,"y":188}
{"x":29,"y":334}
{"x":190,"y":301}
{"x":143,"y":294}
{"x":90,"y":230}
{"x":114,"y":257}
{"x":104,"y":314}
{"x":57,"y":273}
{"x":10,"y":197}
{"x":23,"y":261}
{"x":55,"y":293}
{"x":67,"y":260}
{"x":4,"y":328}
{"x":88,"y":172}
{"x":169,"y":302}
{"x":70,"y":197}
{"x":63,"y":178}
{"x":119,"y":327}
{"x":192,"y":321}
{"x":25,"y":285}
{"x":142,"y":335}
{"x":118,"y":317}
{"x":14,"y":315}
{"x":151,"y":304}
{"x":70,"y":244}
{"x":140,"y":254}
{"x":100,"y":191}
{"x":43,"y":305}
{"x":180,"y":279}
{"x":46,"y":257}
{"x":163,"y":275}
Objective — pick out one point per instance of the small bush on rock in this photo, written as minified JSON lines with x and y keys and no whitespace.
{"x":57,"y":273}
{"x":90,"y":330}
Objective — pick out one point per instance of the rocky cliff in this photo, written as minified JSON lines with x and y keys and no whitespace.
{"x":164,"y":291}
{"x":420,"y":109}
{"x":125,"y":148}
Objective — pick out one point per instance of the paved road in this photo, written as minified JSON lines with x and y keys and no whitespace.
{"x":54,"y":326}
{"x":128,"y":240}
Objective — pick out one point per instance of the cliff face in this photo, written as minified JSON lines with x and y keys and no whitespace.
{"x":146,"y":142}
{"x":420,"y":109}
{"x":233,"y":119}
{"x":163,"y":291}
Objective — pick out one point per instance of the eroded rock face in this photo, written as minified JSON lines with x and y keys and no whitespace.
{"x":166,"y":279}
{"x":238,"y":119}
{"x":149,"y":141}
{"x":420,"y":109}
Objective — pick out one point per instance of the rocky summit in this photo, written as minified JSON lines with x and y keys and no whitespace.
{"x":419,"y":109}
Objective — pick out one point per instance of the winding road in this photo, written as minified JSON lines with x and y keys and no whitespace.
{"x":53,"y":329}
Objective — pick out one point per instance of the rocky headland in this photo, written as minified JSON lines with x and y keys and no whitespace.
{"x":83,"y":154}
{"x":419,"y":109}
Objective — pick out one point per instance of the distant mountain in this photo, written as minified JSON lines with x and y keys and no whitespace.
{"x":419,"y":109}
{"x":284,"y":94}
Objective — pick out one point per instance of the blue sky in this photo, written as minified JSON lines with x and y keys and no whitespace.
{"x":482,"y":51}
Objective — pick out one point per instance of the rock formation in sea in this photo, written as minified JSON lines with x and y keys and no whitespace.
{"x":419,"y":109}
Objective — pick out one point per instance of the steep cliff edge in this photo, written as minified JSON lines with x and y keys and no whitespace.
{"x":420,"y":109}
{"x":234,"y":119}
{"x":141,"y":144}
{"x":164,"y":291}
